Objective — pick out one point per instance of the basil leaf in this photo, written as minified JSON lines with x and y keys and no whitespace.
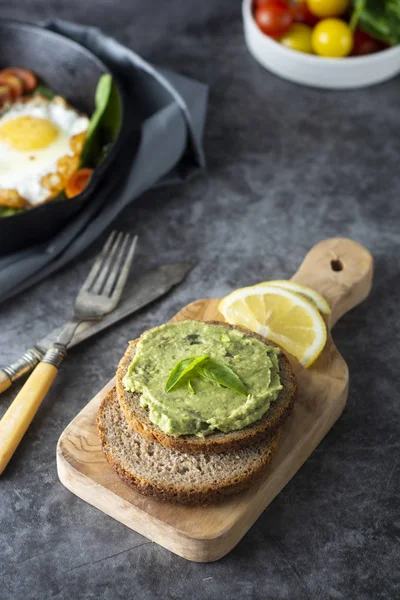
{"x":104,"y":123}
{"x":209,"y":369}
{"x":222,"y":375}
{"x":380,"y":19}
{"x":103,"y":93}
{"x":5,"y":211}
{"x":43,"y":90}
{"x":185,"y":367}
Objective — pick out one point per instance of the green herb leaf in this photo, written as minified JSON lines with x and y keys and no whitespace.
{"x":380,"y":19}
{"x":222,"y":375}
{"x":225,"y":338}
{"x":5,"y":211}
{"x":184,"y":368}
{"x":43,"y":90}
{"x":104,"y":124}
{"x":203,"y":366}
{"x":103,"y":93}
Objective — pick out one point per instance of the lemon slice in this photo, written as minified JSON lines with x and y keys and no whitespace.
{"x":285,"y":317}
{"x":304,"y":290}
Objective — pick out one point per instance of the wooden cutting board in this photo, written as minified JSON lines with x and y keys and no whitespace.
{"x":341,"y":270}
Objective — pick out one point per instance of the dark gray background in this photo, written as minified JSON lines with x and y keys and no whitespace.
{"x":288,"y":166}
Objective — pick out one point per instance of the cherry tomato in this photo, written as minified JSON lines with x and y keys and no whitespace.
{"x":27,"y":77}
{"x":365,"y":44}
{"x":14,"y":83}
{"x":298,"y":38}
{"x":301,"y":14}
{"x":328,"y":8}
{"x":5,"y":95}
{"x":332,"y":38}
{"x":274,"y":18}
{"x":77,"y":182}
{"x":261,"y":3}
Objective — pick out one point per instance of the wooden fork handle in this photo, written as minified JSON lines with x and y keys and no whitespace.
{"x":339,"y":269}
{"x":5,"y":381}
{"x":19,"y":415}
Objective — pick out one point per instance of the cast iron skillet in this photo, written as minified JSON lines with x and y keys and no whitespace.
{"x":72,"y":71}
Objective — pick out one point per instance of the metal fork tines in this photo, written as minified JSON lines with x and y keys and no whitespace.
{"x":102,"y":289}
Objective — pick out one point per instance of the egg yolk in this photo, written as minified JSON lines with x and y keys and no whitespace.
{"x":28,"y":133}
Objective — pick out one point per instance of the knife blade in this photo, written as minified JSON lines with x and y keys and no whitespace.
{"x":139,"y":292}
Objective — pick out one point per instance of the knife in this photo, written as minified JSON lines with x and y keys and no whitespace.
{"x":138,"y":293}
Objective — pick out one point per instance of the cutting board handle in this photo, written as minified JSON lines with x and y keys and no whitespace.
{"x":339,"y":269}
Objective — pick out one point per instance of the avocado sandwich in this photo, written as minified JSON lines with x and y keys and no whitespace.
{"x":197,"y":410}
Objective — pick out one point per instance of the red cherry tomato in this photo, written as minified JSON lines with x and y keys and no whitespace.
{"x":274,"y":18}
{"x":77,"y":182}
{"x":14,"y":83}
{"x":28,"y":78}
{"x":365,"y":44}
{"x":261,"y":3}
{"x":5,"y":95}
{"x":302,"y":14}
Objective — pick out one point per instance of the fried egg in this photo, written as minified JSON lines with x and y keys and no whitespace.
{"x":40,"y":144}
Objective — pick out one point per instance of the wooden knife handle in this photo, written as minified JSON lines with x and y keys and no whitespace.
{"x":19,"y":415}
{"x":339,"y":269}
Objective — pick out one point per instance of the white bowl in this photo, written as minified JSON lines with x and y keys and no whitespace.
{"x":307,"y":69}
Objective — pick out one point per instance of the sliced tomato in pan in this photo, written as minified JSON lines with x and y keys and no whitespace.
{"x":14,"y":83}
{"x":28,"y":78}
{"x":5,"y":95}
{"x":77,"y":182}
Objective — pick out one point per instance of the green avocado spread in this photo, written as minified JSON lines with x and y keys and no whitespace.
{"x":209,"y":407}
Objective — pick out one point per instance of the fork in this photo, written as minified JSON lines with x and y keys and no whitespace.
{"x":98,"y":296}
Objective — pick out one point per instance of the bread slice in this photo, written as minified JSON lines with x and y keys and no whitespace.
{"x":175,"y":476}
{"x":137,"y":415}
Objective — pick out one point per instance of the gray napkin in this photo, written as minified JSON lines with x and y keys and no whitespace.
{"x":165,"y":143}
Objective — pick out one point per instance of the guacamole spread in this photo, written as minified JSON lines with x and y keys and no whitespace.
{"x":207,"y":406}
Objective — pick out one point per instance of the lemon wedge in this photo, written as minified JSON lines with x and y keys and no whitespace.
{"x":285,"y":317}
{"x":304,"y":290}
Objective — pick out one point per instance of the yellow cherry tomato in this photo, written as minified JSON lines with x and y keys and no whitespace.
{"x":328,"y":8}
{"x":332,"y":38}
{"x":298,"y":38}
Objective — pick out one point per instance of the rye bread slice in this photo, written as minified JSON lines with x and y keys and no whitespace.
{"x":137,"y":416}
{"x":174,"y":476}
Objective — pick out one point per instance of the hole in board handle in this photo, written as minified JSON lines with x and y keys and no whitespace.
{"x":336,"y":264}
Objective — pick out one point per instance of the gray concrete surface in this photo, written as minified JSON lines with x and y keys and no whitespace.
{"x":288,"y":166}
